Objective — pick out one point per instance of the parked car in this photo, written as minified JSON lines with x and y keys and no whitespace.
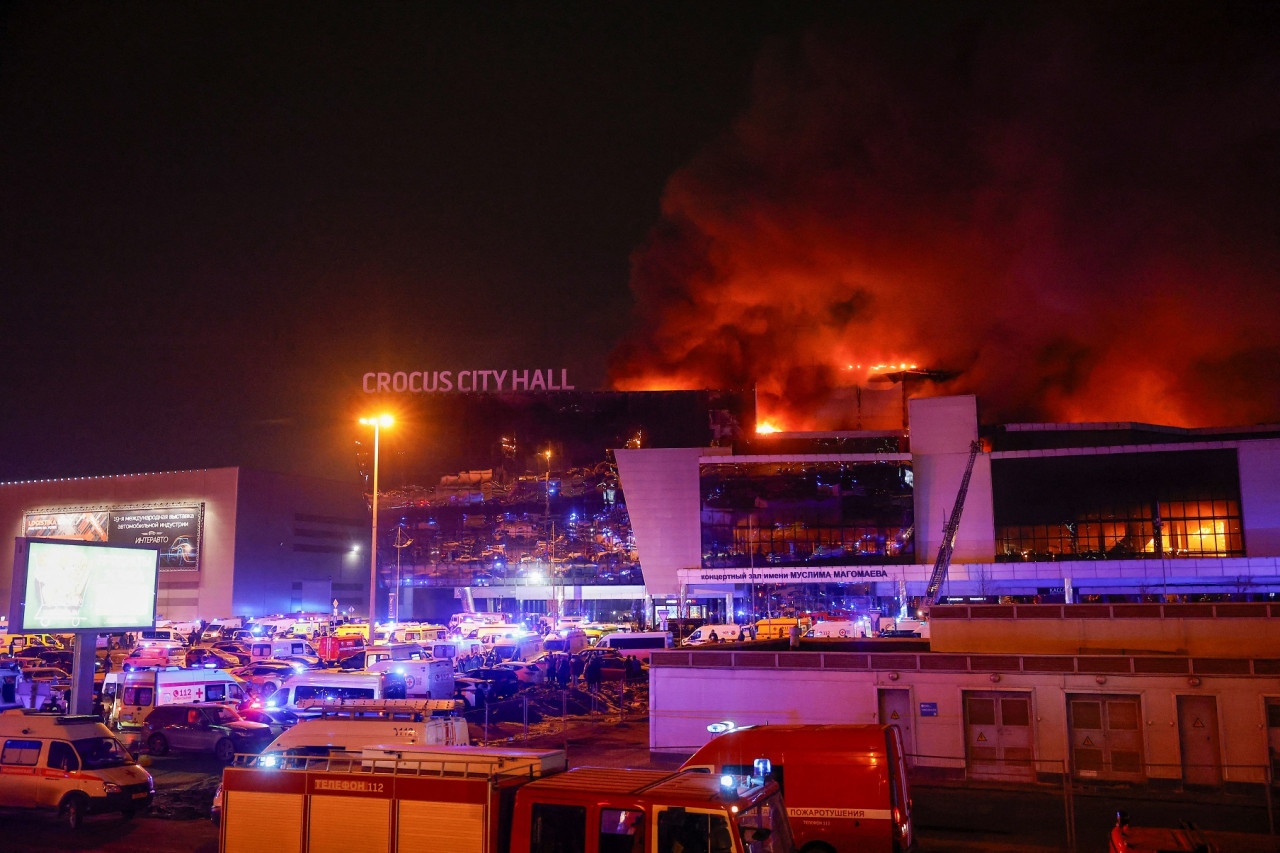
{"x":279,"y":719}
{"x":210,"y":659}
{"x":304,"y":661}
{"x":505,"y":682}
{"x":266,"y":676}
{"x":46,"y":673}
{"x":203,"y":727}
{"x":236,"y":651}
{"x":527,"y":672}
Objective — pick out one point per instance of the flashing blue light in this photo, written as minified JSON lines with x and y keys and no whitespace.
{"x":763,"y":767}
{"x":268,"y":761}
{"x":727,"y":781}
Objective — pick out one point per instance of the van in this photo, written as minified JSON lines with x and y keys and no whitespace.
{"x":365,"y":657}
{"x":351,"y":726}
{"x":152,"y":636}
{"x":779,"y":628}
{"x":725,"y":633}
{"x":870,"y":808}
{"x":128,"y":697}
{"x":268,"y":649}
{"x":518,"y":648}
{"x":332,"y":686}
{"x":493,"y":632}
{"x":17,"y":642}
{"x":423,"y":634}
{"x":72,"y":765}
{"x":636,"y":644}
{"x":424,"y":678}
{"x":840,"y":629}
{"x":904,"y":628}
{"x":569,"y":641}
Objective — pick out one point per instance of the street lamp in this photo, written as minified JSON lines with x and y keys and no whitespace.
{"x":377,"y":423}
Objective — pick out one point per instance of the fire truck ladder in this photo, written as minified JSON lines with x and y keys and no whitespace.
{"x":943,"y":562}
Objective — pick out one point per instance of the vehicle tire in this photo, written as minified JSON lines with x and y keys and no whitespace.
{"x":817,"y":847}
{"x":158,"y":744}
{"x":268,"y":688}
{"x":225,"y":750}
{"x":73,"y":810}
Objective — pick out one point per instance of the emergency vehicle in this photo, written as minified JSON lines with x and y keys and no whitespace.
{"x":355,"y":724}
{"x":128,"y":697}
{"x":331,"y":647}
{"x":277,"y":648}
{"x":69,"y":764}
{"x":388,"y":800}
{"x":427,"y":678}
{"x":1188,"y":838}
{"x":845,"y":785}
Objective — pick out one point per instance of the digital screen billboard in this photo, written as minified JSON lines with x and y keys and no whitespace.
{"x":176,"y":531}
{"x":82,"y":586}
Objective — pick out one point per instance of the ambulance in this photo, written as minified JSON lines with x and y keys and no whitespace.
{"x":71,"y":765}
{"x":845,"y":785}
{"x":129,"y":697}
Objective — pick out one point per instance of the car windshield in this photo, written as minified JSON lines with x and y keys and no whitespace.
{"x":225,"y":715}
{"x":764,"y":828}
{"x":99,"y":752}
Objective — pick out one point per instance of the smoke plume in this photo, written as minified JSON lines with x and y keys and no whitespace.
{"x":1076,"y":213}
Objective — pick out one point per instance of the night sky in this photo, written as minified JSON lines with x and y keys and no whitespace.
{"x":218,"y":216}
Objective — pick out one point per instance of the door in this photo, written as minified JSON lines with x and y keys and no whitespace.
{"x":998,"y":735}
{"x":1273,"y":738}
{"x":1106,"y":737}
{"x":895,"y":710}
{"x":1198,"y":738}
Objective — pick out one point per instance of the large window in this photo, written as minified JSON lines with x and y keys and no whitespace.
{"x":1118,"y":506}
{"x":806,"y":513}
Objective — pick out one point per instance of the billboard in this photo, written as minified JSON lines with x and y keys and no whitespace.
{"x":176,"y":531}
{"x":59,"y":585}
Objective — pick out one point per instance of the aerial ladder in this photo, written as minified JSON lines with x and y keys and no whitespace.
{"x":943,"y":562}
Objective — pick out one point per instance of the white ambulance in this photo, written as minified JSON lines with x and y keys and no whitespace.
{"x":69,"y":764}
{"x":129,"y":696}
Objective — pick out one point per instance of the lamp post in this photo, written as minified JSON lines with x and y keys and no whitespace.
{"x":551,"y":538}
{"x":377,"y":423}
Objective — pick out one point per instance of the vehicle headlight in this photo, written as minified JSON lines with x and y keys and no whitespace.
{"x":111,"y":787}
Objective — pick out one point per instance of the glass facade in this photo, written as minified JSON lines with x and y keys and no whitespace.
{"x":806,"y":513}
{"x":1118,"y":506}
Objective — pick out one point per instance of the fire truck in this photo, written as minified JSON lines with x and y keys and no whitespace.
{"x":392,"y":799}
{"x":845,"y":785}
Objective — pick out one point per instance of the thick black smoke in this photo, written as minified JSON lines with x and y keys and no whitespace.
{"x":1077,"y":210}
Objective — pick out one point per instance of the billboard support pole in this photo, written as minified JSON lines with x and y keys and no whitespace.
{"x":82,"y":663}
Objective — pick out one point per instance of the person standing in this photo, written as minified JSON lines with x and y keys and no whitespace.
{"x":593,"y":674}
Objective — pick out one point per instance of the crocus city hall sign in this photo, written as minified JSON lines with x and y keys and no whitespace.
{"x":436,"y":381}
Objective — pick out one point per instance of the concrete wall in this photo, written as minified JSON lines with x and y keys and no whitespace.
{"x":1260,"y":496}
{"x":1223,"y":630}
{"x":662,"y":493}
{"x":296,"y":546}
{"x":942,"y":429}
{"x":684,"y":700}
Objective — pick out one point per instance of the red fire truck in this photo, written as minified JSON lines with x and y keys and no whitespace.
{"x":845,"y":785}
{"x":406,"y":799}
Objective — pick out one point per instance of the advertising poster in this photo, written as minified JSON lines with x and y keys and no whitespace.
{"x":70,"y":586}
{"x":175,"y":531}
